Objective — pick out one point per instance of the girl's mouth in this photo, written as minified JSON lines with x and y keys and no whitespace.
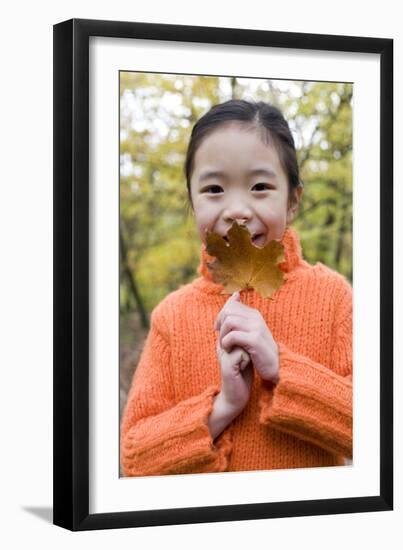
{"x":257,"y":240}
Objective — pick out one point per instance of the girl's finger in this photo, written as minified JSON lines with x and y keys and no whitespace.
{"x":234,"y":307}
{"x":236,"y":338}
{"x":235,"y":322}
{"x":245,"y":360}
{"x":238,"y":356}
{"x":248,"y":375}
{"x":235,"y":297}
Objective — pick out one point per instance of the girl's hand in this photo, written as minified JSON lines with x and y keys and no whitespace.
{"x":236,"y":380}
{"x":244,"y":327}
{"x":236,"y":383}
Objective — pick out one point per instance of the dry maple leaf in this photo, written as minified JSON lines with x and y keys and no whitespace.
{"x":239,"y":264}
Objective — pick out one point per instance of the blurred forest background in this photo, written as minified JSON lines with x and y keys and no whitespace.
{"x":159,"y":245}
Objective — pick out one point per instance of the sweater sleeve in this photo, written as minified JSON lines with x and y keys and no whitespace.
{"x":313,"y":401}
{"x":159,"y":435}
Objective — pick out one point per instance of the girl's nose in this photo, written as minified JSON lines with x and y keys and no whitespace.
{"x":237,"y":208}
{"x":240,"y":215}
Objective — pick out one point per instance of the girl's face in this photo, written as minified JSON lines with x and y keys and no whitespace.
{"x":238,"y":177}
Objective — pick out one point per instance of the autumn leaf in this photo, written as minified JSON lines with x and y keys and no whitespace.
{"x":239,"y":264}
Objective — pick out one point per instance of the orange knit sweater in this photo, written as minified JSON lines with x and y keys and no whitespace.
{"x":305,"y":421}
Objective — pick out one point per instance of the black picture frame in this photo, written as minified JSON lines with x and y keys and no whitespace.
{"x":72,"y":284}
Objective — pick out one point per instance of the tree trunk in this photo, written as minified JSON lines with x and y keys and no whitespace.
{"x":132,"y":283}
{"x":340,"y":241}
{"x":233,"y":87}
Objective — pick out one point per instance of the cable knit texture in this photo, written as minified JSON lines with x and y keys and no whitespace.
{"x":304,"y":421}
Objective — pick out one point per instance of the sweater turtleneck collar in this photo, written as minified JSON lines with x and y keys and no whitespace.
{"x":292,"y":259}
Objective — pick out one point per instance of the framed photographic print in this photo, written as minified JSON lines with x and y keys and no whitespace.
{"x":223,"y":274}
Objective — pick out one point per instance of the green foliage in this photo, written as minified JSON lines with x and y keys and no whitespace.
{"x":157,"y":113}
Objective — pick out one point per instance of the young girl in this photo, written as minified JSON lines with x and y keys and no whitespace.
{"x":244,"y":383}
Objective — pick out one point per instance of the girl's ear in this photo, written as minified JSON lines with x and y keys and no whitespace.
{"x":294,"y":203}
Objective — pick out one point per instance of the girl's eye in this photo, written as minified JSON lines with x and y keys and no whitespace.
{"x":261,"y":186}
{"x":212,"y":189}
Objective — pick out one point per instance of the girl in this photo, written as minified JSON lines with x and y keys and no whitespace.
{"x":244,"y":383}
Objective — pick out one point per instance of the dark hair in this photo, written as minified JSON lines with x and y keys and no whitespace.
{"x":264,"y":116}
